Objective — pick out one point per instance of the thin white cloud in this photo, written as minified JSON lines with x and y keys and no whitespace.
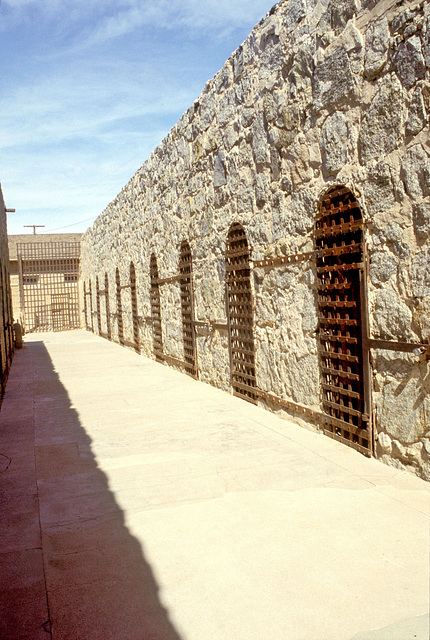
{"x":85,"y":101}
{"x":112,"y":19}
{"x":82,"y":106}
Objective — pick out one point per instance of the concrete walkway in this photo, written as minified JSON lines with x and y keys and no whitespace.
{"x":139,"y":504}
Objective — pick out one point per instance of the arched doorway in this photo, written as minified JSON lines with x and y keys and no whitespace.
{"x":90,"y":295}
{"x":342,"y":308}
{"x":85,"y":306}
{"x":157,"y":334}
{"x":119,"y":308}
{"x":187,"y":308}
{"x":99,"y":316}
{"x":107,"y":305}
{"x":133,"y":292}
{"x":240,"y":314}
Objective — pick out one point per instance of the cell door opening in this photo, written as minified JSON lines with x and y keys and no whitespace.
{"x":107,"y":306}
{"x":187,"y":308}
{"x":135,"y":318}
{"x":119,"y":319}
{"x":157,"y":333}
{"x":240,"y":314}
{"x":342,"y":319}
{"x":90,"y":295}
{"x":85,"y":306}
{"x":99,"y":315}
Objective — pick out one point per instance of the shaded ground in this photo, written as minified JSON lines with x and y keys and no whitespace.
{"x":140,"y":504}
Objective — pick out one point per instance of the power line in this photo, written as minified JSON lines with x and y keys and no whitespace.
{"x":71,"y":225}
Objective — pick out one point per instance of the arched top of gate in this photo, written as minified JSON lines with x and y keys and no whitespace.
{"x":184,"y":248}
{"x":132,"y":271}
{"x":338,"y":196}
{"x":153,"y":266}
{"x":185,"y":255}
{"x":236,"y":233}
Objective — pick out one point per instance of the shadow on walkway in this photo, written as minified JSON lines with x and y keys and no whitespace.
{"x":99,"y":584}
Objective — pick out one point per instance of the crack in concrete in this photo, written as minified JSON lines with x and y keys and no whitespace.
{"x":9,"y":461}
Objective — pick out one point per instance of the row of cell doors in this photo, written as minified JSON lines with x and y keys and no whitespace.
{"x":100,"y":319}
{"x":339,"y":258}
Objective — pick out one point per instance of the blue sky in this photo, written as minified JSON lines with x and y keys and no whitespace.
{"x":88,"y":88}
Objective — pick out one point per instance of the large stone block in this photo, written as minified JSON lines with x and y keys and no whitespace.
{"x":226,"y":108}
{"x":376,"y":48}
{"x":421,"y":274}
{"x":259,"y":140}
{"x":333,"y":81}
{"x":382,"y":124}
{"x":338,"y":139}
{"x":335,"y":18}
{"x":402,"y":405}
{"x":379,"y":189}
{"x":207,"y":111}
{"x":421,"y":219}
{"x":392,"y":318}
{"x":294,"y":12}
{"x":422,"y":318}
{"x":409,"y":63}
{"x":382,"y":267}
{"x":416,"y":172}
{"x":298,"y":217}
{"x":426,"y":42}
{"x":417,"y":116}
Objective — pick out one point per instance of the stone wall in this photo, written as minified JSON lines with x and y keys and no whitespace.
{"x":321,"y":93}
{"x":7,"y":342}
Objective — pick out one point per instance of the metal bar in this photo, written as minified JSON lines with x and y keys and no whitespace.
{"x":175,"y":278}
{"x":173,"y":360}
{"x":350,"y":443}
{"x":337,"y":338}
{"x":219,"y":326}
{"x":333,"y":355}
{"x":128,"y":343}
{"x":282,"y":260}
{"x":341,"y":390}
{"x":340,"y":267}
{"x":343,"y":408}
{"x":289,"y":404}
{"x":340,"y":373}
{"x":406,"y":347}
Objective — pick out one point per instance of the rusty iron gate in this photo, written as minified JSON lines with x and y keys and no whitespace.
{"x":88,"y":307}
{"x":105,"y":293}
{"x":135,"y":318}
{"x":135,"y":343}
{"x":107,"y":307}
{"x":187,"y":308}
{"x":185,"y":280}
{"x":157,"y":333}
{"x":48,"y":276}
{"x":6,"y":339}
{"x":98,"y":308}
{"x":341,"y":314}
{"x":240,"y":314}
{"x":120,"y":324}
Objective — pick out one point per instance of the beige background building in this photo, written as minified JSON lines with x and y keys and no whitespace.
{"x":44,"y":294}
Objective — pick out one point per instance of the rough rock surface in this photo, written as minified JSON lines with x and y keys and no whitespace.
{"x":334,"y":92}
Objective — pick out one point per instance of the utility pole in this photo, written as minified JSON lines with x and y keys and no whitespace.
{"x":33,"y":226}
